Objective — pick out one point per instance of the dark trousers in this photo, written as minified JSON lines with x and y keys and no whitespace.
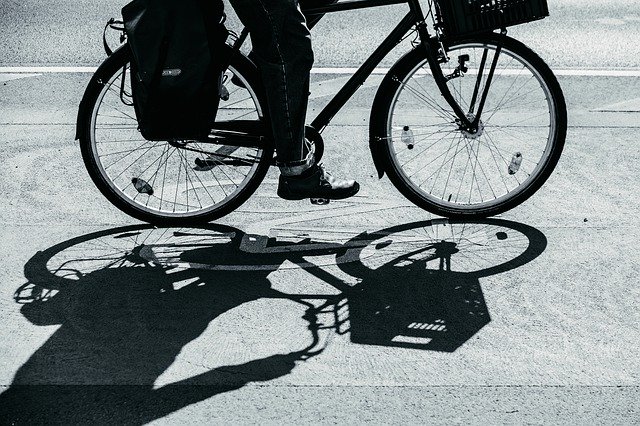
{"x":282,"y":51}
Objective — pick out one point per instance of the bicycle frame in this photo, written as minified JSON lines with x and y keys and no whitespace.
{"x":414,"y":18}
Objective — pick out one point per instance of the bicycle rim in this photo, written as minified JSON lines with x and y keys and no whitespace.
{"x":468,"y":172}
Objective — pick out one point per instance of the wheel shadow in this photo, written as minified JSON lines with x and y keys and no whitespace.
{"x":128,"y":300}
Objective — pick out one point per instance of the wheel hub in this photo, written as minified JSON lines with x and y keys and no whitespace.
{"x":472,"y":133}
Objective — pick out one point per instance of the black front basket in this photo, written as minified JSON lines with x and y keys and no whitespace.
{"x":459,"y":17}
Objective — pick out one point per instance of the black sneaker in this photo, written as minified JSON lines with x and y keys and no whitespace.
{"x":316,"y":183}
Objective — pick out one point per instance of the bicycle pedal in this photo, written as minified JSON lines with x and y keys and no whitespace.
{"x":319,"y":201}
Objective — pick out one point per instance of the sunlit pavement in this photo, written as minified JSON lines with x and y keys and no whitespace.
{"x":359,"y":311}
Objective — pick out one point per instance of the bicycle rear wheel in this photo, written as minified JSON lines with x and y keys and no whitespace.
{"x":171,"y":182}
{"x":456,"y":173}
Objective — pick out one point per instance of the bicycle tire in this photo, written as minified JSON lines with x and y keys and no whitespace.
{"x":415,"y":61}
{"x":104,"y":78}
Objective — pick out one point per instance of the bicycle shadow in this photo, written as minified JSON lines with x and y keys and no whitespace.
{"x":122,"y":322}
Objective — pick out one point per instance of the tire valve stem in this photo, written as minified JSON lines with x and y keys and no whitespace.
{"x":142,"y":186}
{"x":516,"y":161}
{"x":407,"y":137}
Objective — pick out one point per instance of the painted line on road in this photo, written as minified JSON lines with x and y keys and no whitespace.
{"x":335,"y":70}
{"x":47,"y":70}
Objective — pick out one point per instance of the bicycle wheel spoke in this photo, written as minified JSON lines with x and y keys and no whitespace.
{"x":446,"y":184}
{"x":503,"y":101}
{"x":509,"y":131}
{"x":205,"y":188}
{"x":498,"y":168}
{"x":237,"y":102}
{"x":133,"y":162}
{"x":222,"y":166}
{"x":506,"y":162}
{"x":457,"y":151}
{"x":161,"y":163}
{"x":195,"y":192}
{"x":464,"y":173}
{"x":473,"y":178}
{"x":440,"y":111}
{"x":455,"y":140}
{"x":424,"y":150}
{"x":433,"y":102}
{"x":520,"y":105}
{"x":484,"y":173}
{"x":157,"y":160}
{"x":122,"y":152}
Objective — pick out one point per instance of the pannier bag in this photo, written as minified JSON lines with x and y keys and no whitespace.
{"x":461,"y":17}
{"x":176,"y":69}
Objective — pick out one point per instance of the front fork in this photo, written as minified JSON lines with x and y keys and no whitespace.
{"x":435,"y":50}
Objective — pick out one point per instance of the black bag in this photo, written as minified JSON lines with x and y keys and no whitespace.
{"x":176,"y":66}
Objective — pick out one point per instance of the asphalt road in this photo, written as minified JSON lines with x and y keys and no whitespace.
{"x":578,"y":34}
{"x":542,"y":301}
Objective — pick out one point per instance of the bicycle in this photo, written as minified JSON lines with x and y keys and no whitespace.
{"x":482,"y":147}
{"x":402,"y":285}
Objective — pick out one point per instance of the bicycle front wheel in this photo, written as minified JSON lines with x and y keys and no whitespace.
{"x":455,"y":172}
{"x":171,"y":182}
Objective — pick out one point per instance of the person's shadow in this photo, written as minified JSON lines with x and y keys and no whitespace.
{"x":124,"y":321}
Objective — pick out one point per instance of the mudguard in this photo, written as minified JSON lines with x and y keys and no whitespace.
{"x":95,"y":84}
{"x":380,"y":108}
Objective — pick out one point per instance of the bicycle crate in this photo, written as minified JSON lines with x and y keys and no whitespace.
{"x":458,"y":17}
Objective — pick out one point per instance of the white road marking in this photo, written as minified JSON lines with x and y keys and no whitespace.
{"x":331,"y":70}
{"x":47,"y":70}
{"x":598,"y":73}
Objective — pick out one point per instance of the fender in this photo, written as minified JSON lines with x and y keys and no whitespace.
{"x":383,"y":102}
{"x":95,"y":85}
{"x":376,"y":155}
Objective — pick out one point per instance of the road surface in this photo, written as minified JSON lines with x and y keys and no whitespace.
{"x":290,"y":313}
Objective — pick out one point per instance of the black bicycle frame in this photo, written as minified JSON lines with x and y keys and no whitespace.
{"x":414,"y":18}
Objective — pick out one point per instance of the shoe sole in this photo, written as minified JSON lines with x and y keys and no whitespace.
{"x":292,"y":197}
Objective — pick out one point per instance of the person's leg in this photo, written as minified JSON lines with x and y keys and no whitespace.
{"x":282,"y":50}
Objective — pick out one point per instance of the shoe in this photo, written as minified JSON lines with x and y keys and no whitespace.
{"x":316,"y":183}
